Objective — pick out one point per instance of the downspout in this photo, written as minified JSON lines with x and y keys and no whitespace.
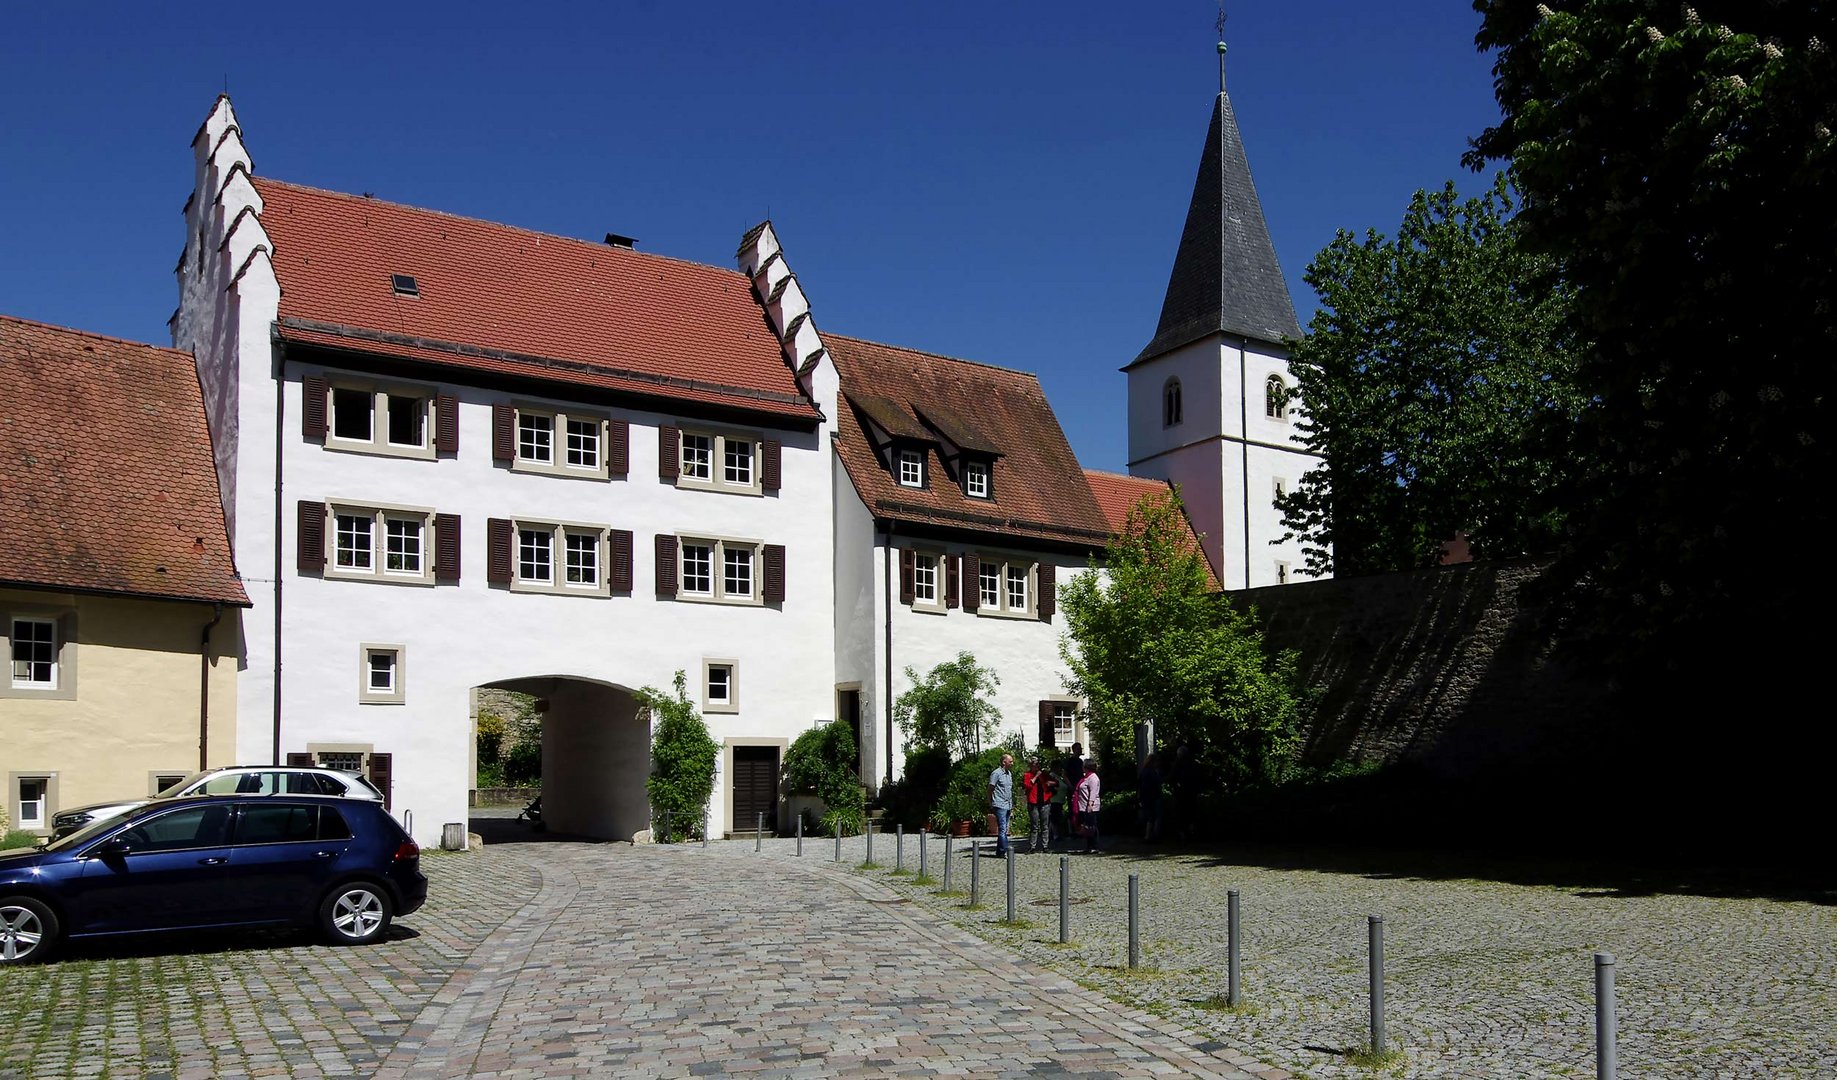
{"x":216,"y":614}
{"x":280,"y":383}
{"x":1243,"y":445}
{"x":888,"y":693}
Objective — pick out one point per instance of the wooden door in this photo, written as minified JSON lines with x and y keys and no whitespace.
{"x":755,"y":784}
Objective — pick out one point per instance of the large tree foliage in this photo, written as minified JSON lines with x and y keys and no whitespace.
{"x":951,"y":707}
{"x":1151,"y":640}
{"x":1436,"y":377}
{"x":1677,"y":162}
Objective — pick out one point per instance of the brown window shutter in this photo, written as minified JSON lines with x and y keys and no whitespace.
{"x":300,"y":761}
{"x":666,"y":565}
{"x":774,"y":574}
{"x":503,"y":433}
{"x":316,"y":389}
{"x":497,"y":551}
{"x":311,"y":558}
{"x":972,"y":583}
{"x":619,"y":540}
{"x":618,"y":447}
{"x":446,"y":547}
{"x":1046,"y":727}
{"x":380,"y":769}
{"x":906,"y":563}
{"x":669,"y":452}
{"x":770,"y":452}
{"x":951,"y":583}
{"x":1049,"y":597}
{"x":446,"y":424}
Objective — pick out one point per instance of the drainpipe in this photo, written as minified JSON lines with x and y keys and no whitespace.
{"x":216,"y":614}
{"x":888,"y":692}
{"x":280,"y":384}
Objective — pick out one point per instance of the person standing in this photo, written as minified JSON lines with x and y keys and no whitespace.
{"x":1038,"y":783}
{"x":1074,"y":772}
{"x":1087,"y":801}
{"x":1001,"y":797}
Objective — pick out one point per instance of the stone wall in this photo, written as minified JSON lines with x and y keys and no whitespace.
{"x":1447,"y":667}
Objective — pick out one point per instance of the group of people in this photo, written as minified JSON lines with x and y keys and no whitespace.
{"x":1059,"y":804}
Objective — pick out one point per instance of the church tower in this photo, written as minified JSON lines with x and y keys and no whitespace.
{"x":1208,"y":396}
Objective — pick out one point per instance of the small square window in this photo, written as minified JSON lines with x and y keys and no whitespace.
{"x":404,"y":285}
{"x":976,"y":480}
{"x":35,"y":654}
{"x":351,"y":413}
{"x":720,"y":686}
{"x":340,"y":761}
{"x":32,"y":802}
{"x":1281,"y":487}
{"x":1282,"y":573}
{"x":912,"y":468}
{"x":381,"y":674}
{"x":698,"y":457}
{"x":382,"y":671}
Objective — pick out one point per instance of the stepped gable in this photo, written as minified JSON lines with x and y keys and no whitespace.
{"x":508,"y":301}
{"x":1117,"y":494}
{"x":107,"y":484}
{"x":1039,"y":490}
{"x":1225,"y":278}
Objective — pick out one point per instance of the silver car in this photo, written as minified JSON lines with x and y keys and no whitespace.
{"x":233,"y":780}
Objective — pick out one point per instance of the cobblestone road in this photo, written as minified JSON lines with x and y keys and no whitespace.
{"x":688,"y":961}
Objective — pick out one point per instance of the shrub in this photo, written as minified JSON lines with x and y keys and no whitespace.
{"x":950,"y":707}
{"x":966,"y":795}
{"x":682,"y":759}
{"x":909,"y":801}
{"x":18,"y":838}
{"x":822,"y":762}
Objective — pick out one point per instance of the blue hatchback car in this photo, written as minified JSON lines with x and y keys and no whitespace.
{"x":343,"y":866}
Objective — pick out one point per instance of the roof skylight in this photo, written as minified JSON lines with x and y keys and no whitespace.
{"x":405,"y":285}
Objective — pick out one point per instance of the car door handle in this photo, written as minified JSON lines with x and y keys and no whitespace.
{"x":214,"y":860}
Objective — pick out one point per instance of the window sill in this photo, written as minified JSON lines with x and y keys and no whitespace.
{"x":381,"y":701}
{"x":721,"y":601}
{"x":928,"y":609}
{"x":721,"y":710}
{"x":1018,"y":616}
{"x":716,"y":486}
{"x":329,"y":574}
{"x":565,"y":472}
{"x":559,"y":590}
{"x":413,"y":453}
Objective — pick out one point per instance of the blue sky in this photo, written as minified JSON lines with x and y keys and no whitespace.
{"x":999,"y":181}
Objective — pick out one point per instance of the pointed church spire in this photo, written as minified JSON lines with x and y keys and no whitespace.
{"x":1225,"y":277}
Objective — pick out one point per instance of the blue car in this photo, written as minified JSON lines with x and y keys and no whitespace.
{"x":342,"y":866}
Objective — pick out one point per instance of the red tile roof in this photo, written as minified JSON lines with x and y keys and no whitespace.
{"x":503,"y":300}
{"x":1118,"y":494}
{"x":1040,"y":492}
{"x":107,"y":483}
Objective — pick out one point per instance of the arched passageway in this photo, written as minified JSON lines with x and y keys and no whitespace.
{"x":596,"y":755}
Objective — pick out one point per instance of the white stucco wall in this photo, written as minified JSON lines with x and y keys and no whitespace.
{"x":860,"y":633}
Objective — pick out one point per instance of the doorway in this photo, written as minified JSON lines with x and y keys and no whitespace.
{"x":755,"y":784}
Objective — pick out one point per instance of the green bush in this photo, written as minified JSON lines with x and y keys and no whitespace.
{"x":950,"y":707}
{"x":682,"y":760}
{"x":966,"y":794}
{"x":909,"y":801}
{"x":18,"y":838}
{"x":822,"y":762}
{"x":510,"y":747}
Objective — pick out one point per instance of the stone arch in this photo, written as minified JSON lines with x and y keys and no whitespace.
{"x":596,"y":754}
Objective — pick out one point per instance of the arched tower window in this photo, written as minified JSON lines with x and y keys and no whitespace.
{"x":1275,"y":398}
{"x":1171,"y":412}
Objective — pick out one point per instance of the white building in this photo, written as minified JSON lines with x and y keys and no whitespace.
{"x":1209,"y":406}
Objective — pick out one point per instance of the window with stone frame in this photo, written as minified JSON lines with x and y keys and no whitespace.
{"x":34,"y":653}
{"x":719,"y":461}
{"x":718,"y":569}
{"x":367,"y":418}
{"x":927,"y":568}
{"x":381,"y":543}
{"x":1005,"y":586}
{"x":559,"y":557}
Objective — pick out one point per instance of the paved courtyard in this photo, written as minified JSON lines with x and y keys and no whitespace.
{"x":564,"y":959}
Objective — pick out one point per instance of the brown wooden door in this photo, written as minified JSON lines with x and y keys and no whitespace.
{"x":755,"y":787}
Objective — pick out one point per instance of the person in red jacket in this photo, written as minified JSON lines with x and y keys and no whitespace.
{"x":1040,"y":785}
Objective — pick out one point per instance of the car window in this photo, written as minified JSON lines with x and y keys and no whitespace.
{"x":261,"y":824}
{"x":364,"y":782}
{"x":332,"y":824}
{"x":329,"y":785}
{"x":179,"y":788}
{"x":193,"y":827}
{"x":304,"y":783}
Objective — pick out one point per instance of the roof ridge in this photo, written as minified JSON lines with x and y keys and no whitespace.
{"x":22,"y":320}
{"x":589,"y":244}
{"x":934,"y":355}
{"x":1122,"y":476}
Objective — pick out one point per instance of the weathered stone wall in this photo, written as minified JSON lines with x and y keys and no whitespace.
{"x":1447,"y":667}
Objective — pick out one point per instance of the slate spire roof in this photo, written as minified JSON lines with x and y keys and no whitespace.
{"x":1225,"y":274}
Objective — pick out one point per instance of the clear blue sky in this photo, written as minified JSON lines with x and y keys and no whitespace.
{"x":999,"y":181}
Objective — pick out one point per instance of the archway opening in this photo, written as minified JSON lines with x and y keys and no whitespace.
{"x":596,"y":755}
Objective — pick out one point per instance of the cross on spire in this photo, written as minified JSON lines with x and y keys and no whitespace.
{"x":1221,"y":46}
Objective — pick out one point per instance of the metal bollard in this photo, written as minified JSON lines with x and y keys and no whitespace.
{"x":899,"y":848}
{"x":1135,"y":920}
{"x":704,"y":830}
{"x":868,"y":827}
{"x":1607,"y":1065}
{"x":1010,"y":882}
{"x":975,"y":872}
{"x":1233,"y":994}
{"x":947,"y":847}
{"x":1377,"y":984}
{"x":1065,"y":899}
{"x":666,"y":828}
{"x":924,"y":853}
{"x":800,"y":835}
{"x":759,"y":833}
{"x":838,"y":857}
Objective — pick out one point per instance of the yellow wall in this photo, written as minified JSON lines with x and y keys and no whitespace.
{"x":135,"y":708}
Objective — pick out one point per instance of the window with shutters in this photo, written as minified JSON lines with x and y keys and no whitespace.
{"x":554,"y":442}
{"x":560,"y":557}
{"x":381,"y":543}
{"x":719,"y":569}
{"x":41,"y":643}
{"x":1005,"y":586}
{"x":1065,"y":723}
{"x":721,"y":461}
{"x":927,"y":583}
{"x":369,"y":418}
{"x":382,"y":671}
{"x":720,"y":686}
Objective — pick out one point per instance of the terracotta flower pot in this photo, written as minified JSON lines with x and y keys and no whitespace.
{"x":961,"y":828}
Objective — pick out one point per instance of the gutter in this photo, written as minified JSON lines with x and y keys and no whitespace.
{"x":280,"y":385}
{"x":887,"y":694}
{"x":216,"y":616}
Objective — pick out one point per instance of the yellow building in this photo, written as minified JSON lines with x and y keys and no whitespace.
{"x":120,"y":606}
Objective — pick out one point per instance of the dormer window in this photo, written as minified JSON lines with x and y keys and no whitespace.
{"x":911,"y":468}
{"x":976,"y":480}
{"x":1171,"y":406}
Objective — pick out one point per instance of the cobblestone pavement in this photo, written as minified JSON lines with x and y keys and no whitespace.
{"x":1484,"y":978}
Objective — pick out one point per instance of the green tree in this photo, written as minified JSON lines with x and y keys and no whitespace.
{"x":951,"y":706}
{"x":822,"y":762}
{"x":1437,"y":377}
{"x":1677,"y":163}
{"x":682,"y":758}
{"x":1152,"y":640}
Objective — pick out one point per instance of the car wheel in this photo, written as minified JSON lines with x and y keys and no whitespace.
{"x":28,"y":930}
{"x":355,"y":913}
